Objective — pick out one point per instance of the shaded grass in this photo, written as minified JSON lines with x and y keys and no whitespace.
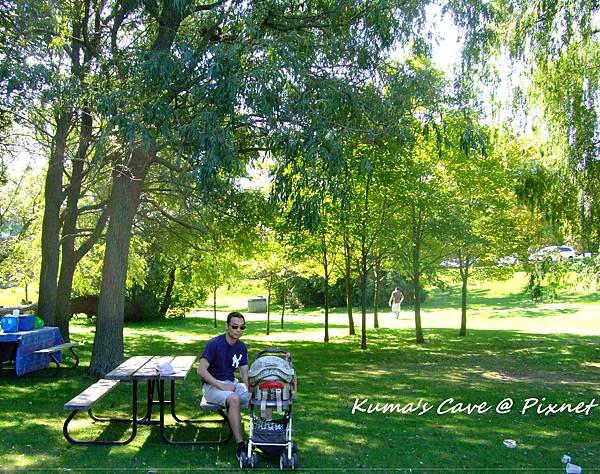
{"x":487,"y":366}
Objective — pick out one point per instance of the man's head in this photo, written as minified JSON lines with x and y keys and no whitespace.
{"x":236,"y":324}
{"x":396,"y":289}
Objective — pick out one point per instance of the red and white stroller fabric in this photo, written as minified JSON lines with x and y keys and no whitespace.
{"x":272,"y":378}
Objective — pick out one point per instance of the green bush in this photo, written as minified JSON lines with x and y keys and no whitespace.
{"x":302,"y":291}
{"x":144,"y":302}
{"x":141,"y":304}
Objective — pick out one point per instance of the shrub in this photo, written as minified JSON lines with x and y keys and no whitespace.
{"x":302,"y":291}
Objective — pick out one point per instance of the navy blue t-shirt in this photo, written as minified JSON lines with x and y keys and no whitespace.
{"x":223,"y":359}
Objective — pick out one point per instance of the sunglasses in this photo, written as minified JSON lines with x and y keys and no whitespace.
{"x":235,"y":326}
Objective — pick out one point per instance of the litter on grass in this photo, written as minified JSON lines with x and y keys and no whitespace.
{"x":573,"y":469}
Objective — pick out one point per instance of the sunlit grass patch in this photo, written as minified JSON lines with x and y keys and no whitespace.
{"x":524,"y":354}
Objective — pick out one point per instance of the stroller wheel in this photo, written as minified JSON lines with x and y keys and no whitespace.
{"x":295,"y":455}
{"x":254,"y":461}
{"x":283,"y":461}
{"x":243,"y":461}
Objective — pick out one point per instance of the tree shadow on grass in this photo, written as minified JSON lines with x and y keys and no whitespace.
{"x":528,"y":313}
{"x":202,"y":326}
{"x":485,"y":366}
{"x":477,"y":297}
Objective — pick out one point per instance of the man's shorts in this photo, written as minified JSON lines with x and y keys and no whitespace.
{"x":396,"y":307}
{"x":217,"y":396}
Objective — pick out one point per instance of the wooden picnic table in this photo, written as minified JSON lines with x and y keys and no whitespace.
{"x":139,"y":369}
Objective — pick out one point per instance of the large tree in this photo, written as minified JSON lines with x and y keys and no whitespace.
{"x":51,"y":93}
{"x":482,"y":207}
{"x":556,"y":47}
{"x":198,"y":82}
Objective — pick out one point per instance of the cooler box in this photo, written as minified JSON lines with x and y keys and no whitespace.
{"x":10,"y":323}
{"x":26,"y":322}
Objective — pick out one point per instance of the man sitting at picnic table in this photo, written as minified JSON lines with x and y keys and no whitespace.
{"x":221,"y":357}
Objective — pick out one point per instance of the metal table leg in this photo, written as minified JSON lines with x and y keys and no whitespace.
{"x":163,"y":402}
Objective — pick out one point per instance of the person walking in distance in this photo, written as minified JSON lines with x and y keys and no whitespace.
{"x":396,"y":299}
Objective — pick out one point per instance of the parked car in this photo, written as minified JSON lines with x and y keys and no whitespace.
{"x":553,"y":252}
{"x":508,"y":260}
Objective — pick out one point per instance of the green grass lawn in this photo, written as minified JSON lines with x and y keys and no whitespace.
{"x":513,"y":352}
{"x":13,"y":296}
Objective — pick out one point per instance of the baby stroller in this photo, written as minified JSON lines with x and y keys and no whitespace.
{"x":273,"y":387}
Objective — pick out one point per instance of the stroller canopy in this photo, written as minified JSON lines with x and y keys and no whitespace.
{"x":271,"y":368}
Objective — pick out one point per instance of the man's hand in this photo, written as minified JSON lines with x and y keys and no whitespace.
{"x":228,"y":387}
{"x":205,"y":375}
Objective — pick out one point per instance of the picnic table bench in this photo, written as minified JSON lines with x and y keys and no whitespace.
{"x":85,"y":401}
{"x":51,"y":352}
{"x":208,"y":406}
{"x":181,"y":367}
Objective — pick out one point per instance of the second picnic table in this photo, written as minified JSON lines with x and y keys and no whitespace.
{"x":34,"y":349}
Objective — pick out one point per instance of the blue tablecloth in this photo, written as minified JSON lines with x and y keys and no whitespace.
{"x":29,"y":342}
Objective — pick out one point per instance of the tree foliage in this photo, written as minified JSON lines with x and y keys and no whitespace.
{"x":559,"y":40}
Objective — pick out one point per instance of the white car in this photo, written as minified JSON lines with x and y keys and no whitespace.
{"x":553,"y":252}
{"x":508,"y":260}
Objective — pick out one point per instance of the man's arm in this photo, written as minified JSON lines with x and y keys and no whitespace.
{"x":205,"y":375}
{"x":244,"y":374}
{"x":401,"y":297}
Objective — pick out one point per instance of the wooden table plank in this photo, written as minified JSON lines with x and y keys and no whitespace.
{"x":60,"y":347}
{"x":182,"y":365}
{"x":149,"y":371}
{"x":126,"y":370}
{"x":91,"y":395}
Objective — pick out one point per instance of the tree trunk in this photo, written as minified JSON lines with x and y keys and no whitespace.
{"x":418,"y":329}
{"x":53,"y":198}
{"x":416,"y":270}
{"x":166,"y":303}
{"x":68,"y":259}
{"x":269,"y":303}
{"x":363,"y":268}
{"x":464,"y":275}
{"x":124,"y":201}
{"x":363,"y":304}
{"x":348,"y":285}
{"x":107,"y":352}
{"x":283,"y":298}
{"x":215,"y":305}
{"x":326,"y":273}
{"x":376,"y":298}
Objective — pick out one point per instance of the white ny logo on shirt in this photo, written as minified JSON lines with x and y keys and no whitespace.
{"x":235,"y":361}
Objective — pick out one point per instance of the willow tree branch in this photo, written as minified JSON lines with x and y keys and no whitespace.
{"x":171,"y":217}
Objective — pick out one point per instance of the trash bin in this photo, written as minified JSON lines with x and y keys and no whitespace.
{"x":257,"y":305}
